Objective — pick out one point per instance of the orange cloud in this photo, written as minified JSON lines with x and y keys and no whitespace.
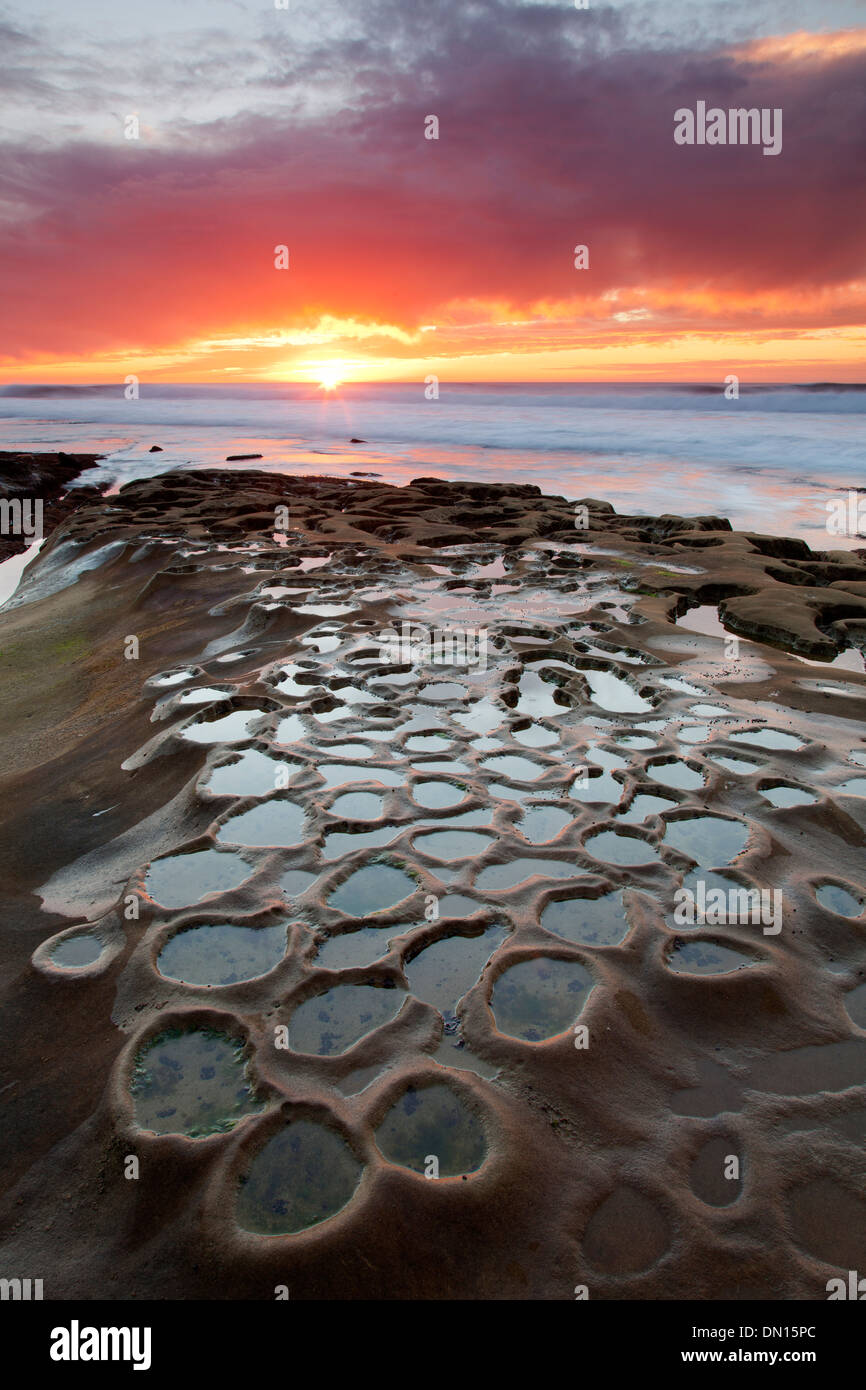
{"x":457,"y":256}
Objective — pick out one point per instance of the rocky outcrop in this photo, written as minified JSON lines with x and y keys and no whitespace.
{"x":43,"y":479}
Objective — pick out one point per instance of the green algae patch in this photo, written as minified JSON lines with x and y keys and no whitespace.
{"x":192,"y":1082}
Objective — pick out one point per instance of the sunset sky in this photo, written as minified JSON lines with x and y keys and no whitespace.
{"x":304,"y":127}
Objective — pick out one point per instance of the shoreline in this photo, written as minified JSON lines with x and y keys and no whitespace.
{"x":771,"y":471}
{"x":732,"y":574}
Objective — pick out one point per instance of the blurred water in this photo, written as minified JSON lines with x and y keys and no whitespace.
{"x":769,"y":461}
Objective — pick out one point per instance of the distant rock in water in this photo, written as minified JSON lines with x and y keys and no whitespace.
{"x":156,"y":449}
{"x":357,"y":441}
{"x":240,"y":458}
{"x":356,"y":474}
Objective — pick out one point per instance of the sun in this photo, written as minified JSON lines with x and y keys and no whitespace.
{"x":330,"y":376}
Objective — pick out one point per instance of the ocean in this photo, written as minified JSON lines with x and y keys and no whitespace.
{"x":771,"y":461}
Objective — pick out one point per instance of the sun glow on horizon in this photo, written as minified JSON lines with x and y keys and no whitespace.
{"x":329,"y":375}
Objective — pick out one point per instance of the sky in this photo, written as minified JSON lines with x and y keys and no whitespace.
{"x":304,"y":127}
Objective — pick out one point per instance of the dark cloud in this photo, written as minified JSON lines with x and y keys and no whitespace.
{"x":550,"y":135}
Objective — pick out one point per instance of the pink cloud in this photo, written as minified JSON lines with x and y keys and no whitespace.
{"x":145,"y":246}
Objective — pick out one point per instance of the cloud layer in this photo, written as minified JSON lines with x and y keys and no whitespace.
{"x":550,"y":134}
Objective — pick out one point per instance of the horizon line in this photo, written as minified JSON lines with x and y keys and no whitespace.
{"x":415,"y":381}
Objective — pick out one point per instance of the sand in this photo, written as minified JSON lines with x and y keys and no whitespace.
{"x":473,"y":869}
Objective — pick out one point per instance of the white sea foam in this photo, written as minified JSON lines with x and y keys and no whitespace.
{"x":768,"y":461}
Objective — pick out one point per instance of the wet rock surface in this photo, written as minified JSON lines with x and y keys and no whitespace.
{"x":349,"y":904}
